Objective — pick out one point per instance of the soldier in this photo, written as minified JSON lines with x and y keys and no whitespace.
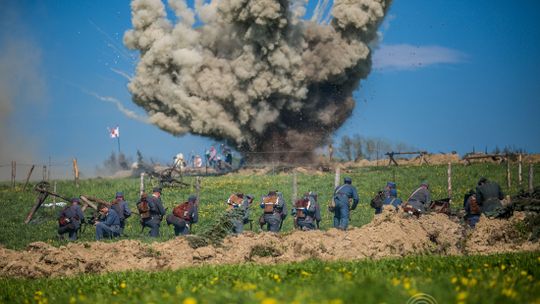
{"x":489,"y":196}
{"x":156,"y":212}
{"x":184,"y":216}
{"x":109,"y":225}
{"x":342,"y":195}
{"x":122,"y":209}
{"x":472,"y":209}
{"x":275,"y":211}
{"x":238,"y":208}
{"x":391,"y":197}
{"x":306,"y":212}
{"x":69,"y":220}
{"x":420,"y":198}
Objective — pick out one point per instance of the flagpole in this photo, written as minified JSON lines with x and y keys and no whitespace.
{"x":118,"y":138}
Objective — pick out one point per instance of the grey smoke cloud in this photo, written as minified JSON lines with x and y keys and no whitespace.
{"x":254,"y":73}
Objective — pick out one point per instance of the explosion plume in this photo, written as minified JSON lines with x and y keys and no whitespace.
{"x":252,"y":72}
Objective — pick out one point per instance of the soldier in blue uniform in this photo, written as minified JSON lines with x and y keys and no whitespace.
{"x":122,"y":209}
{"x":184,"y":216}
{"x":489,"y":196}
{"x":239,"y":211}
{"x":70,"y":219}
{"x":109,"y":225}
{"x":156,"y":212}
{"x":420,"y":198}
{"x":472,"y":208}
{"x":275,"y":211}
{"x":342,"y":195}
{"x":307,"y":215}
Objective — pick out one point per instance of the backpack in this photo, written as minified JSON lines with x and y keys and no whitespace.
{"x":118,"y":208}
{"x":440,"y":206}
{"x":300,"y":205}
{"x":378,"y":201}
{"x":269,"y":203}
{"x":144,"y":209}
{"x":182,"y":211}
{"x":473,"y":205}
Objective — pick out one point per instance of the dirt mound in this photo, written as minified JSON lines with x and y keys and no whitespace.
{"x":497,"y":235}
{"x":390,"y":234}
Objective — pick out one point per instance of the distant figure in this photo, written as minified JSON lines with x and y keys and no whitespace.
{"x":389,"y":197}
{"x":109,"y":225}
{"x":179,"y":161}
{"x":330,"y":152}
{"x":342,"y":195}
{"x":275,"y":211}
{"x":122,"y":209}
{"x":197,"y":161}
{"x":69,"y":220}
{"x":155,"y":212}
{"x":472,"y":208}
{"x":212,"y":156}
{"x":489,"y":196}
{"x":227,"y":154}
{"x":420,"y":198}
{"x":184,"y":215}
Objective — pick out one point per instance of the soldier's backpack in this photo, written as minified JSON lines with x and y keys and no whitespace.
{"x":300,"y":205}
{"x":182,"y":211}
{"x":440,"y":206}
{"x":269,"y":203}
{"x":118,"y":208}
{"x":473,"y":205}
{"x":144,"y":208}
{"x":377,"y":201}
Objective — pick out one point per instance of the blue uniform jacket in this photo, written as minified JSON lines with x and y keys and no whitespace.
{"x":112,"y":218}
{"x":345,"y":192}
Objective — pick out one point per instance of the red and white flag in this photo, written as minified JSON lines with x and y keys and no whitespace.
{"x":114,"y":132}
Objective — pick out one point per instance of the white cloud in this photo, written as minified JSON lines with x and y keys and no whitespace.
{"x":411,"y":57}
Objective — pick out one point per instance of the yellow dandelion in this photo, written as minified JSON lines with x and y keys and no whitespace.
{"x":464,"y":281}
{"x":189,"y":300}
{"x":269,"y":301}
{"x":396,"y":281}
{"x":462,"y":296}
{"x":453,"y":280}
{"x":336,"y":301}
{"x":503,"y":267}
{"x":123,"y":285}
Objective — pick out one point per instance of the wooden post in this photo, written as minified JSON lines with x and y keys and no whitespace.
{"x":40,"y":199}
{"x":197,"y":186}
{"x":531,"y":175}
{"x":520,"y":178}
{"x":44,"y":172}
{"x":13,"y":173}
{"x":508,"y":177}
{"x":450,"y":181}
{"x":28,"y":177}
{"x":294,"y":187}
{"x":141,"y":185}
{"x":76,"y":172}
{"x":54,"y":197}
{"x":337,"y":178}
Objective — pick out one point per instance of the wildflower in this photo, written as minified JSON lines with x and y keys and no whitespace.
{"x":189,"y":300}
{"x":336,"y":301}
{"x":503,"y":267}
{"x":523,"y":273}
{"x":305,"y":273}
{"x":269,"y":301}
{"x":453,"y":280}
{"x":464,"y":281}
{"x":462,"y":296}
{"x":395,"y":281}
{"x":123,"y":285}
{"x":72,"y":300}
{"x":509,"y":292}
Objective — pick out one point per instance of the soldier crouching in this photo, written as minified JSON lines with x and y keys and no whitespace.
{"x":109,"y":226}
{"x":306,"y":212}
{"x":69,"y":220}
{"x":184,"y":216}
{"x":275,"y":211}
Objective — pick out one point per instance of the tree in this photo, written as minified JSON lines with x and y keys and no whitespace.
{"x":357,"y":145}
{"x":345,"y":147}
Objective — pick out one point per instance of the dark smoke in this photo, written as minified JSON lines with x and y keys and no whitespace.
{"x":254,"y":73}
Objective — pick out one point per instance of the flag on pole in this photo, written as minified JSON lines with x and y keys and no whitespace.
{"x":114,"y":132}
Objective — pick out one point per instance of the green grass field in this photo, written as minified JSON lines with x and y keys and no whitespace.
{"x":511,"y":278}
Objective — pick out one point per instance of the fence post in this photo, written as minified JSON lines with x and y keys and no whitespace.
{"x":28,"y":177}
{"x":294,"y":187}
{"x":75,"y":172}
{"x":54,"y":197}
{"x":450,"y":181}
{"x":13,"y":173}
{"x":337,"y":178}
{"x":141,"y":185}
{"x":44,"y":173}
{"x":197,"y":186}
{"x":520,"y":178}
{"x":508,"y":177}
{"x":531,"y":175}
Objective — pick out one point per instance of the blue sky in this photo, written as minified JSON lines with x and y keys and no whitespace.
{"x":448,"y":75}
